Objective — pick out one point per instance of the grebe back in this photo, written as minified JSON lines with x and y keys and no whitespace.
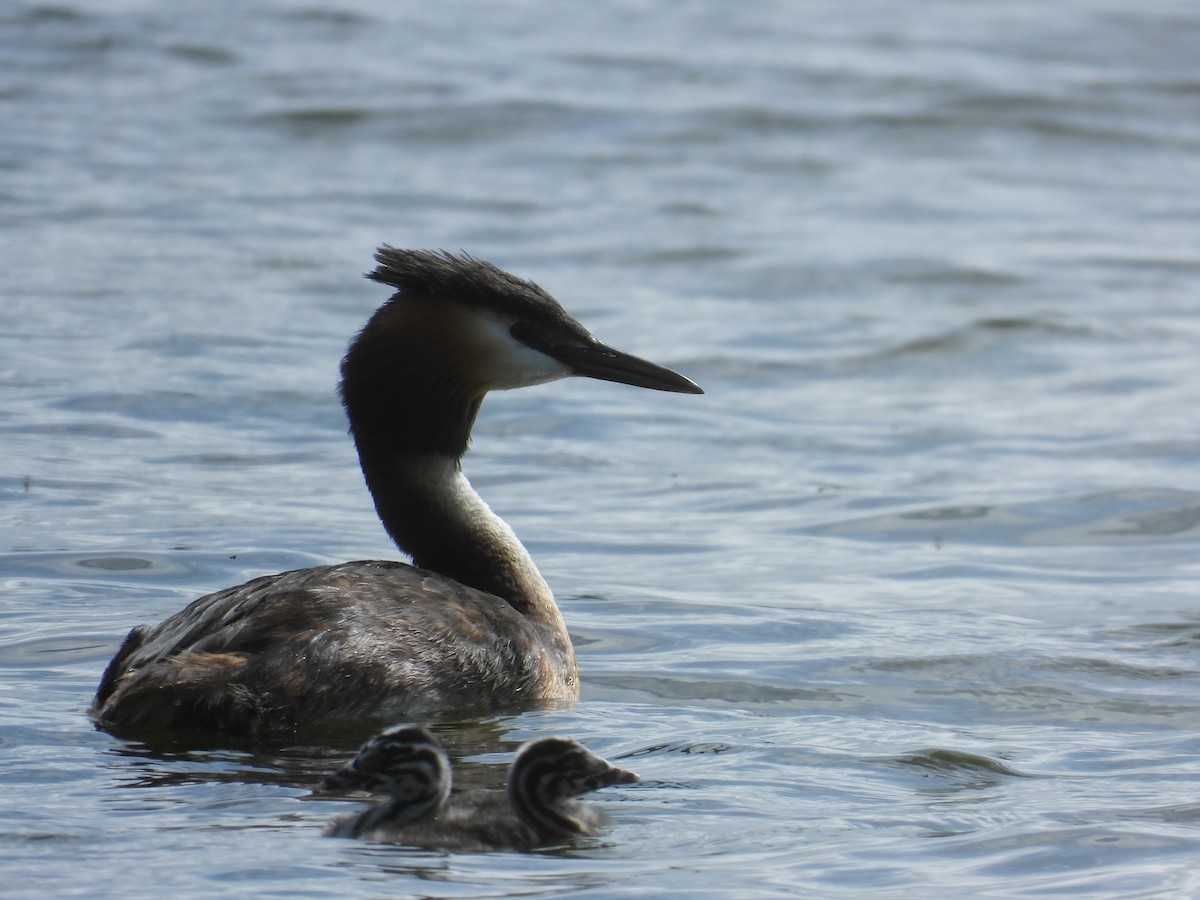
{"x":471,"y":624}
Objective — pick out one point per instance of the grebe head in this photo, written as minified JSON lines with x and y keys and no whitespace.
{"x":458,"y":327}
{"x":512,"y":332}
{"x":548,"y":772}
{"x":405,"y":762}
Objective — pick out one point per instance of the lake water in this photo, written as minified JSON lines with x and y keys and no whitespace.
{"x":907,"y":605}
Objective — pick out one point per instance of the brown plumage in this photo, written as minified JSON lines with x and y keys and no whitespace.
{"x":471,"y":625}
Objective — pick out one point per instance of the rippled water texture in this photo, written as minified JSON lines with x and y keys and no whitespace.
{"x":905,"y":605}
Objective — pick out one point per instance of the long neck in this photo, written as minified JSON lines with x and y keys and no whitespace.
{"x":411,"y":412}
{"x":432,"y":512}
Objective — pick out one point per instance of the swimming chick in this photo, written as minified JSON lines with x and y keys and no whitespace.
{"x":471,"y":625}
{"x":538,"y":807}
{"x":405,"y":762}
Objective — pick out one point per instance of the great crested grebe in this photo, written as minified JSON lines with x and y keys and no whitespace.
{"x":471,"y":624}
{"x":538,"y":807}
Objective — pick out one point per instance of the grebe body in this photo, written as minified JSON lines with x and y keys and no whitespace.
{"x":537,"y":808}
{"x":471,"y":624}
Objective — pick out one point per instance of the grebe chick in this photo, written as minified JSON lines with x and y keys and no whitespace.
{"x":470,"y":625}
{"x":537,"y":808}
{"x":405,"y":762}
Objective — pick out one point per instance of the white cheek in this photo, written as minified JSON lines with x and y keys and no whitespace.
{"x":504,"y":362}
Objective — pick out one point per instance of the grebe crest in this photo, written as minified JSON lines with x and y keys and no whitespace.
{"x":405,"y":762}
{"x":537,"y":808}
{"x":471,"y":625}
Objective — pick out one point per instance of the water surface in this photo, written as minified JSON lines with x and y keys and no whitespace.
{"x":906,"y":603}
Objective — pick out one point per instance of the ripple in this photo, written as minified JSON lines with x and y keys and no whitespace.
{"x":933,"y":274}
{"x":310,"y":121}
{"x":81,"y":429}
{"x":203,"y":54}
{"x":958,"y":762}
{"x":1107,"y":669}
{"x":62,"y":649}
{"x":980,"y":332}
{"x":739,"y":693}
{"x":1128,"y":516}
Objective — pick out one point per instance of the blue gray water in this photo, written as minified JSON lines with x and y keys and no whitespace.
{"x":908,"y":603}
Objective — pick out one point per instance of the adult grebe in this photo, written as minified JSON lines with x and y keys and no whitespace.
{"x":538,"y":808}
{"x":471,"y":625}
